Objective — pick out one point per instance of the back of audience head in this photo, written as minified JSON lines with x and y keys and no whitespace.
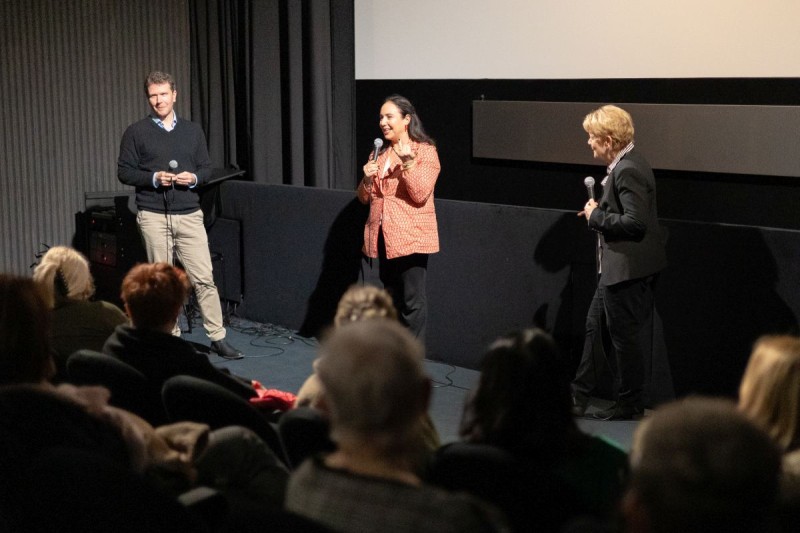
{"x":154,"y":294}
{"x":25,"y":355}
{"x":374,"y":388}
{"x":698,"y":465}
{"x":359,"y":302}
{"x":522,"y":397}
{"x":769,"y":393}
{"x":63,"y":274}
{"x":362,"y":302}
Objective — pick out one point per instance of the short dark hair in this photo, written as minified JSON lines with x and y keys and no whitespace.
{"x":154,"y":294}
{"x":699,"y":465}
{"x":157,"y":78}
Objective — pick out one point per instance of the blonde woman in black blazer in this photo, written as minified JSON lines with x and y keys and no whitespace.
{"x":630,"y":255}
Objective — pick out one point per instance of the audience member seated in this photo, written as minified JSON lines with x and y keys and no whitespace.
{"x":154,"y":294}
{"x":699,"y":466}
{"x":769,"y":395}
{"x":374,"y":390}
{"x":77,"y":490}
{"x":128,"y":387}
{"x":521,"y":448}
{"x":365,"y":302}
{"x":77,"y":322}
{"x":175,"y":458}
{"x":359,"y":302}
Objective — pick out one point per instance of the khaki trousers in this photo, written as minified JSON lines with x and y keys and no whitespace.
{"x":187,"y":235}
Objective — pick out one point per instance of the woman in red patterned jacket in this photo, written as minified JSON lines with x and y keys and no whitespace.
{"x":401,"y":229}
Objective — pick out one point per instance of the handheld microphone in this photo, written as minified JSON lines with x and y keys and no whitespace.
{"x":376,"y":144}
{"x":589,"y":182}
{"x":173,"y":168}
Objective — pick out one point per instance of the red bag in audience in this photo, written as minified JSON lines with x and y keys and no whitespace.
{"x":271,"y":399}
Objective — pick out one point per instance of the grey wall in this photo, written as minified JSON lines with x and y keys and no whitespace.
{"x":503,"y":267}
{"x":71,"y":81}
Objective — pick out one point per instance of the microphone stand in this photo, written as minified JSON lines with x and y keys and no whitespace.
{"x":187,"y":306}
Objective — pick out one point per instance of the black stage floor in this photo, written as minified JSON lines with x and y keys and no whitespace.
{"x":281,"y":359}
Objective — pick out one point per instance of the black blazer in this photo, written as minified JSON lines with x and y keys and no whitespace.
{"x":627,"y":220}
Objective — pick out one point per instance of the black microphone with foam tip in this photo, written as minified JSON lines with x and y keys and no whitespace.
{"x":376,"y":146}
{"x":589,"y":182}
{"x":173,"y":167}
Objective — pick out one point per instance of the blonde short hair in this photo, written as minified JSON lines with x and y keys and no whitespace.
{"x":362,"y":302}
{"x":770,"y":390}
{"x":63,"y":273}
{"x":610,"y":121}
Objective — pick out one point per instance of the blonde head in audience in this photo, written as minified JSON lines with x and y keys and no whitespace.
{"x":63,"y":274}
{"x":359,"y":302}
{"x":362,"y":302}
{"x":770,"y":390}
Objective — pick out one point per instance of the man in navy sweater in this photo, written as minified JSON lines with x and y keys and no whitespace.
{"x":166,"y":159}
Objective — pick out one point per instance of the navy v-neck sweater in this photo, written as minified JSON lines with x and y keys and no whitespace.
{"x":147,"y":148}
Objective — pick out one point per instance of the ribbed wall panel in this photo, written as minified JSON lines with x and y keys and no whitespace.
{"x":71,"y":82}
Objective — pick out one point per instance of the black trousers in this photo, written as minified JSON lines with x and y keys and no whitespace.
{"x":404,"y":278}
{"x":626,"y":309}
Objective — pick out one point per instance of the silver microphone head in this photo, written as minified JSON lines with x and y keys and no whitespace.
{"x":588,"y":181}
{"x":377,"y":143}
{"x":173,"y":165}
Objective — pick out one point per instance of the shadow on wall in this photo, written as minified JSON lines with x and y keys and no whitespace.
{"x":716,"y":297}
{"x":503,"y":267}
{"x":568,"y":244}
{"x":341,"y":267}
{"x":719,"y":293}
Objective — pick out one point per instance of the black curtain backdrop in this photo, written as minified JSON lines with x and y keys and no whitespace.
{"x":273,"y":85}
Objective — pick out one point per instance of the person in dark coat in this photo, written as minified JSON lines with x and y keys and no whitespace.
{"x":153,"y":294}
{"x":631,"y":253}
